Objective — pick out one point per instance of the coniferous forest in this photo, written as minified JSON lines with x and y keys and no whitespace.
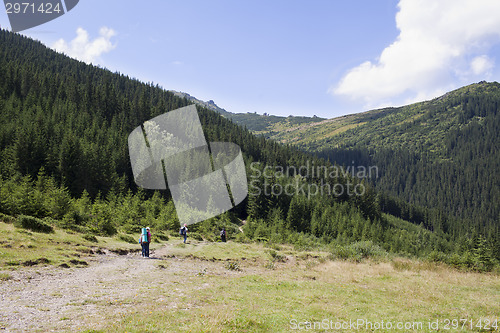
{"x":64,"y":160}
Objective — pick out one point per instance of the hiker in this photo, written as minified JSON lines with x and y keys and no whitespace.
{"x":183,"y":232}
{"x":145,"y":239}
{"x":223,"y":235}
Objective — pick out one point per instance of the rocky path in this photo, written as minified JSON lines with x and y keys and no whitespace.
{"x":57,"y":299}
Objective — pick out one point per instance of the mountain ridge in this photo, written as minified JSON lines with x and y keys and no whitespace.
{"x":302,"y":136}
{"x":256,"y":123}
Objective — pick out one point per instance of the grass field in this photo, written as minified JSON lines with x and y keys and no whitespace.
{"x":258,"y":299}
{"x":233,"y":287}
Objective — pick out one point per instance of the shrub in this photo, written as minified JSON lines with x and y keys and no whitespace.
{"x":242,"y":238}
{"x":75,"y":217}
{"x":127,"y":238}
{"x":162,"y":237}
{"x":7,"y":218}
{"x":270,"y":265}
{"x":302,"y":242}
{"x":90,"y":238}
{"x":367,"y":249}
{"x":131,"y":228}
{"x":72,"y":221}
{"x":209,"y":238}
{"x":261,"y":239}
{"x":195,"y":236}
{"x":33,"y":224}
{"x":276,"y":256}
{"x":342,"y":252}
{"x":233,"y":266}
{"x":273,"y":246}
{"x":50,"y":221}
{"x":358,"y":251}
{"x":436,"y":256}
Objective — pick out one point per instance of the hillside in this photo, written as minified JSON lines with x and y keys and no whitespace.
{"x":452,"y":138}
{"x":64,"y":163}
{"x":438,"y":154}
{"x":419,"y":127}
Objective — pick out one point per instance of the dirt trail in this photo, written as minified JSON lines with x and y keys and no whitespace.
{"x":57,"y":299}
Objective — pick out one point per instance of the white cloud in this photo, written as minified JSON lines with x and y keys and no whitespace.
{"x":430,"y":54}
{"x":82,"y":48}
{"x":481,"y":65}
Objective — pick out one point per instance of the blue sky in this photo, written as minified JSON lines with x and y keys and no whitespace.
{"x":325,"y":58}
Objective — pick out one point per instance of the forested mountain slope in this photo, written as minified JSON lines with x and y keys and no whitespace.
{"x":64,"y":157}
{"x":443,"y":153}
{"x":72,"y":120}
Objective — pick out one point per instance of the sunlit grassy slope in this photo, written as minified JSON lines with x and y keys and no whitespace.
{"x":233,"y":287}
{"x":20,"y":247}
{"x":303,"y":288}
{"x":419,"y":126}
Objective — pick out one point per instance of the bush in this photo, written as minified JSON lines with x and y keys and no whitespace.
{"x":90,"y":238}
{"x":436,"y":256}
{"x":75,"y":217}
{"x":50,"y":221}
{"x":128,"y":238}
{"x":358,"y":251}
{"x":33,"y":224}
{"x":233,"y":266}
{"x":7,"y":218}
{"x":276,"y":256}
{"x":470,"y":261}
{"x":273,"y":246}
{"x":131,"y":228}
{"x":242,"y":238}
{"x":270,"y":265}
{"x":162,"y":237}
{"x":302,"y":242}
{"x":367,"y":249}
{"x":72,"y":221}
{"x":341,"y":252}
{"x":195,"y":236}
{"x":261,"y":239}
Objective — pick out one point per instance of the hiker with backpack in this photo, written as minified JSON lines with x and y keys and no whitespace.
{"x":145,"y":239}
{"x":223,"y":235}
{"x":183,"y":232}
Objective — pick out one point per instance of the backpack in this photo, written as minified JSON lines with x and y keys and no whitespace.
{"x":182,"y":232}
{"x":144,"y":235}
{"x":223,"y":233}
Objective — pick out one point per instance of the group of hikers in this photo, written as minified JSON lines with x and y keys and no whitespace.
{"x":145,"y":238}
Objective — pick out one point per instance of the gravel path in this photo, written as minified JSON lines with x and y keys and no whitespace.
{"x":50,"y":298}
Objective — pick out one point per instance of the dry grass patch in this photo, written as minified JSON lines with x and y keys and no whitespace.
{"x":261,"y":299}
